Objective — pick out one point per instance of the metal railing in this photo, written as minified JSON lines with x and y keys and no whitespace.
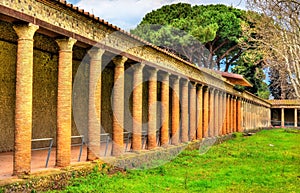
{"x":44,"y":148}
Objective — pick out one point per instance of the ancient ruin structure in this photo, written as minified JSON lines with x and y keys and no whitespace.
{"x":65,"y":72}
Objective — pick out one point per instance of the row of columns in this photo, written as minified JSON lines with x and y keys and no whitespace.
{"x":23,"y":111}
{"x":295,"y":117}
{"x":255,"y":115}
{"x":197,"y":112}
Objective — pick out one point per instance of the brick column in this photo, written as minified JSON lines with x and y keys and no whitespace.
{"x":239,"y":115}
{"x":228,"y":115}
{"x":192,"y":117}
{"x":175,"y":111}
{"x":64,"y":102}
{"x":118,"y":105}
{"x":216,"y":115}
{"x":152,"y":111}
{"x":234,"y":114}
{"x":220,"y":112}
{"x":137,"y":109}
{"x":23,"y":111}
{"x":211,"y":113}
{"x":296,"y":118}
{"x":165,"y":109}
{"x":94,"y":108}
{"x":184,"y":112}
{"x":205,"y":111}
{"x":224,"y":114}
{"x":200,"y":112}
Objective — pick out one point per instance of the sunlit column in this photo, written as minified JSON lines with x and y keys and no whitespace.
{"x":23,"y":109}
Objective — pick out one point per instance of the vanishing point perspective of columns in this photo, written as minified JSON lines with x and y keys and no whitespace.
{"x":179,"y":110}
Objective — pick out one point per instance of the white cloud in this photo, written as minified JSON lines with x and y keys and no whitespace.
{"x":128,"y":13}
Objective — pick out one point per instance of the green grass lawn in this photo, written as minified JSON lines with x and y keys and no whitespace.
{"x":268,"y":161}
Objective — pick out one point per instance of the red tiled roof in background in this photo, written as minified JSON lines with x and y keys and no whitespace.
{"x":285,"y":102}
{"x":235,"y":79}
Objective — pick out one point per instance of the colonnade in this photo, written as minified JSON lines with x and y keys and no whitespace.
{"x":283,"y":117}
{"x":255,"y":115}
{"x":198,"y":110}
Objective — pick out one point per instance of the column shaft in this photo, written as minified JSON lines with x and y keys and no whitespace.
{"x":118,"y":106}
{"x":165,"y":110}
{"x":152,"y":111}
{"x":205,"y":112}
{"x":216,"y":114}
{"x":200,"y":113}
{"x":175,"y":111}
{"x":224,"y":114}
{"x":184,"y":112}
{"x":64,"y":102}
{"x":137,"y":107}
{"x":239,"y":115}
{"x":211,"y":113}
{"x":94,"y":107}
{"x":228,"y":114}
{"x":296,"y":118}
{"x":234,"y":114}
{"x":282,"y":117}
{"x":23,"y":111}
{"x":192,"y":134}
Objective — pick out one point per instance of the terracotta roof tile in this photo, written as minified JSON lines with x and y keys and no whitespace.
{"x":285,"y":102}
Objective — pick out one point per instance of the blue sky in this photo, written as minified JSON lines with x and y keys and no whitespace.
{"x":128,"y":13}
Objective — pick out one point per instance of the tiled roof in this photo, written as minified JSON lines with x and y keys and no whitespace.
{"x":236,"y":79}
{"x":232,"y":78}
{"x":92,"y":16}
{"x":285,"y":102}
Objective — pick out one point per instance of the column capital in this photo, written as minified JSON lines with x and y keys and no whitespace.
{"x":211,"y":89}
{"x":66,"y":44}
{"x":193,"y":84}
{"x":138,"y":66}
{"x":119,"y":60}
{"x":174,"y":78}
{"x":185,"y":82}
{"x":200,"y":86}
{"x":152,"y":71}
{"x":96,"y":53}
{"x":25,"y":31}
{"x":164,"y":75}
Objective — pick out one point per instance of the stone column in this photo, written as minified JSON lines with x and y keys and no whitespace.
{"x":216,"y":116}
{"x":296,"y":118}
{"x":137,"y":107}
{"x":192,"y":117}
{"x":152,"y":111}
{"x":211,"y":113}
{"x":200,"y":112}
{"x":94,"y":107}
{"x":118,"y":105}
{"x":239,"y":115}
{"x":23,"y":111}
{"x":185,"y":112}
{"x":282,"y":117}
{"x":175,"y":111}
{"x":165,"y":110}
{"x":64,"y":102}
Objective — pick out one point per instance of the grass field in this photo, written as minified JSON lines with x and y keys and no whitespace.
{"x":268,"y":161}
